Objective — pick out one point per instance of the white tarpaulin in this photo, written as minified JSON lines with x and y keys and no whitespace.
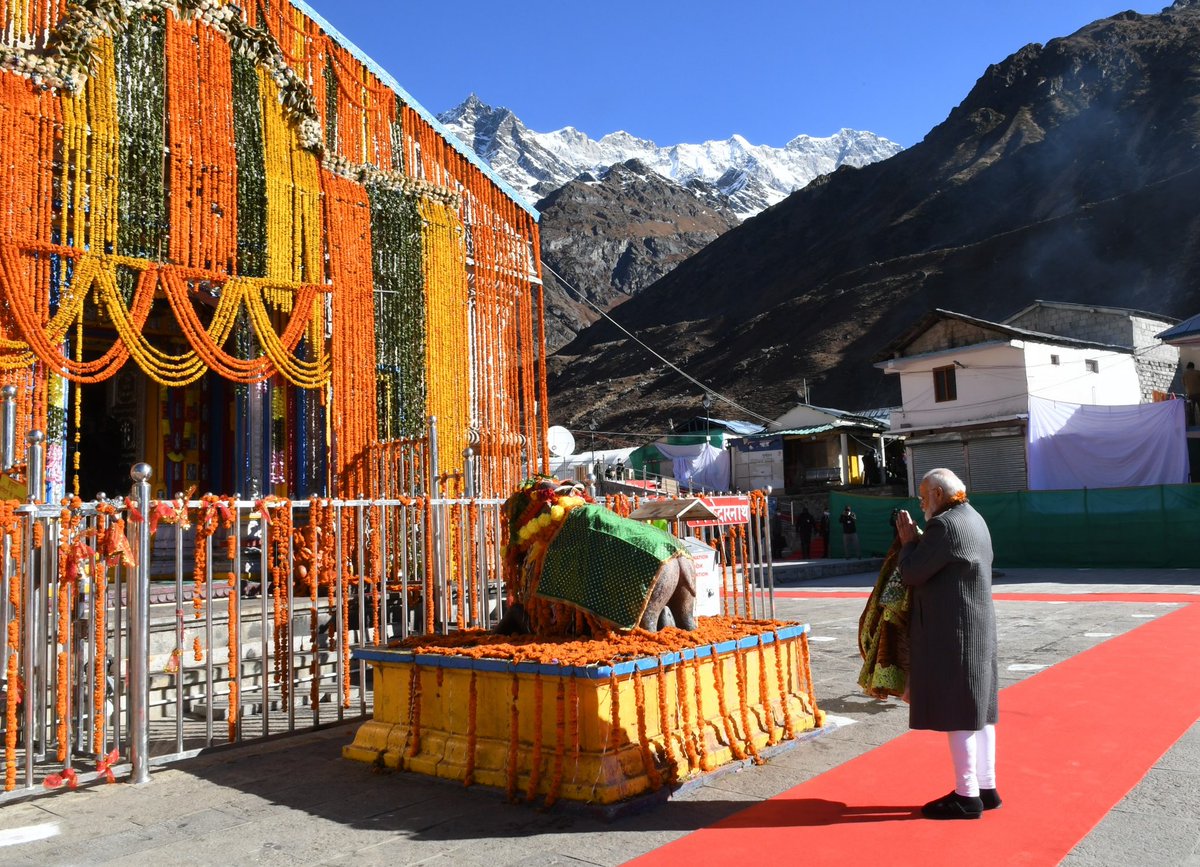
{"x":702,"y":466}
{"x":1075,"y":446}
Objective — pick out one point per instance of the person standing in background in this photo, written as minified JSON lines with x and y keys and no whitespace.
{"x":1191,"y":388}
{"x":824,"y":528}
{"x":849,"y":522}
{"x":805,"y":524}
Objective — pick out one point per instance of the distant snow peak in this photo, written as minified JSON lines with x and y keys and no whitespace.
{"x":753,"y":177}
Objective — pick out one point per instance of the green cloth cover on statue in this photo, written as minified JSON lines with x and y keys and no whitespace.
{"x":605,"y":564}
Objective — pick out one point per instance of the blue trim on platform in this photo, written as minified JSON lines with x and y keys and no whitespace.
{"x":591,"y":672}
{"x":387,"y":78}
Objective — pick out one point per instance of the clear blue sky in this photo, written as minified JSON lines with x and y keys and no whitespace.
{"x":677,"y":71}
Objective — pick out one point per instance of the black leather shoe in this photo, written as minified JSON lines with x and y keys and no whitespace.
{"x":990,"y":798}
{"x":953,"y":806}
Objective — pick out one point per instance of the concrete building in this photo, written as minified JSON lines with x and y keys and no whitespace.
{"x":966,"y":382}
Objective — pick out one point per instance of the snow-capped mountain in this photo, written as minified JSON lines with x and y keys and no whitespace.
{"x":753,"y":177}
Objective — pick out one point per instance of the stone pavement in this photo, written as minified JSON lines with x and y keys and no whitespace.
{"x":296,"y":801}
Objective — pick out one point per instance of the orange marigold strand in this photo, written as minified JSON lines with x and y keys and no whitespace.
{"x":535,"y":759}
{"x":560,"y":742}
{"x":784,"y":697}
{"x":472,"y":711}
{"x":639,"y":694}
{"x":514,"y":734}
{"x":726,"y":721}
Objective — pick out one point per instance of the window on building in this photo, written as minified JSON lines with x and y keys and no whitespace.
{"x":944,"y":387}
{"x":1054,"y":359}
{"x":1092,"y":365}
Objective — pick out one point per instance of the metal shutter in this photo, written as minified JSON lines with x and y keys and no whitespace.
{"x":930,"y":456}
{"x":997,"y":464}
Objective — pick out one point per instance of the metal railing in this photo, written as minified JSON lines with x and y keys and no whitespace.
{"x":109,"y":646}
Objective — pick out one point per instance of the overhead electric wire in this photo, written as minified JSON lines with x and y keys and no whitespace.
{"x":716,"y":395}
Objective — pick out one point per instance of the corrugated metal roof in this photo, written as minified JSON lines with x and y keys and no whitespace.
{"x":1186,"y":328}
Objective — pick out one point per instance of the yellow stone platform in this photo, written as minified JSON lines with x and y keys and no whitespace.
{"x":589,"y":762}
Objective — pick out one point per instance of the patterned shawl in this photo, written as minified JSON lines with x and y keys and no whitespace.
{"x":883,"y":632}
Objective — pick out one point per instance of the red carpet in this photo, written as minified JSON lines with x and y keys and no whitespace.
{"x":1072,"y":741}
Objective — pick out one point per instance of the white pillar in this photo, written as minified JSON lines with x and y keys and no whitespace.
{"x":844,"y":459}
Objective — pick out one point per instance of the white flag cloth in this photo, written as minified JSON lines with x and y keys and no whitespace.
{"x":1074,"y":446}
{"x":703,"y":466}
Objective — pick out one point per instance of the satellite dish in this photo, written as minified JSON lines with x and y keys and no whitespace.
{"x":561,"y":442}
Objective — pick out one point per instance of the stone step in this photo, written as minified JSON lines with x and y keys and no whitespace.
{"x":252,"y":703}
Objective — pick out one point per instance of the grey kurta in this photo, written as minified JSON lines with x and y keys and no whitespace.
{"x":953,"y":682}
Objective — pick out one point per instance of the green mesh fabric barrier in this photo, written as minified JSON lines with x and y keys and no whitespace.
{"x":1151,"y":527}
{"x":605,"y":564}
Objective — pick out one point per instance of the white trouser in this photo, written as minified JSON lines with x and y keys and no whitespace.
{"x":974,"y":755}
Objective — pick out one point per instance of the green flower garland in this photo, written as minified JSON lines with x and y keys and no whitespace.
{"x":399,"y":312}
{"x":251,"y":175}
{"x":140,"y":50}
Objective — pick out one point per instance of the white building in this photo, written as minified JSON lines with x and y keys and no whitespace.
{"x":966,"y":383}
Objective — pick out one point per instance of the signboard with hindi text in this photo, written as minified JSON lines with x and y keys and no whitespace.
{"x":728,"y":511}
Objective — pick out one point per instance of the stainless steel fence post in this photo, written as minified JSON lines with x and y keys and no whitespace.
{"x":34,"y":634}
{"x":433,"y":546}
{"x":36,"y":476}
{"x":139,"y":634}
{"x":8,"y":426}
{"x":29,"y":601}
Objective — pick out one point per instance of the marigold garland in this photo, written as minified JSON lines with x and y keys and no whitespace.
{"x":614,"y":701}
{"x":535,"y":758}
{"x":414,"y":725}
{"x":560,"y":740}
{"x":702,"y":723}
{"x":718,"y":666}
{"x":472,"y":712}
{"x":789,"y":730}
{"x":664,"y":721}
{"x":739,"y":666}
{"x":687,"y":735}
{"x":514,"y":739}
{"x":764,"y":697}
{"x":9,"y":528}
{"x":639,"y":694}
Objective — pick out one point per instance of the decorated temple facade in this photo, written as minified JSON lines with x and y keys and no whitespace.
{"x":233,"y":247}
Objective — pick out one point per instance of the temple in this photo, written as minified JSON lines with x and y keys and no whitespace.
{"x":233,"y":247}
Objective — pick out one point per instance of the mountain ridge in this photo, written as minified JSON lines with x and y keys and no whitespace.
{"x":752,"y":176}
{"x":1067,"y":173}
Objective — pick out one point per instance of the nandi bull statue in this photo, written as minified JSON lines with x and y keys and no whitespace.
{"x":571,"y":567}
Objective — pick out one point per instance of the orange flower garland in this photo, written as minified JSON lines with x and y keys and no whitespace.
{"x":472,"y":711}
{"x":414,"y":710}
{"x":514,"y":738}
{"x":614,"y":729}
{"x":13,"y":693}
{"x":802,"y":649}
{"x":701,"y":720}
{"x":739,"y":665}
{"x":560,"y":741}
{"x":687,"y":736}
{"x":664,"y":721}
{"x":573,"y":720}
{"x":784,"y":696}
{"x":719,"y":682}
{"x":764,"y":697}
{"x":535,"y":759}
{"x":639,"y":694}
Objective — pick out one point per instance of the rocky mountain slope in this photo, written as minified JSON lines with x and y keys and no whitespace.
{"x":1070,"y":172}
{"x":751,"y":176}
{"x":613,"y":235}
